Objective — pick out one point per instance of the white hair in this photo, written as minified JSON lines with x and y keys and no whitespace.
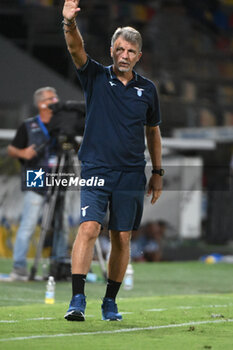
{"x":38,"y":94}
{"x":129,"y":34}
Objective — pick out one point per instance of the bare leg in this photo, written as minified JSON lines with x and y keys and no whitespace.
{"x":119,"y":256}
{"x":83,"y":247}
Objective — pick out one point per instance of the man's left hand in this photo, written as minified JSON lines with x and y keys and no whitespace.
{"x":155,"y":187}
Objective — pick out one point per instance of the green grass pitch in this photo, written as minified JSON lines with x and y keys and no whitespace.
{"x":172,"y":306}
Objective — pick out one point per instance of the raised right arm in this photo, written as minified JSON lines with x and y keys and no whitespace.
{"x":73,"y":36}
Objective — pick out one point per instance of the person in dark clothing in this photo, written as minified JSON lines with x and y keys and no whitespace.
{"x":119,"y":103}
{"x":29,"y":137}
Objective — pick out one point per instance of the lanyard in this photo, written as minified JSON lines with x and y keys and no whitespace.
{"x":43,"y":127}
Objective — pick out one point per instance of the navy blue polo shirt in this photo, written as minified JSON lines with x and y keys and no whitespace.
{"x":115,"y":118}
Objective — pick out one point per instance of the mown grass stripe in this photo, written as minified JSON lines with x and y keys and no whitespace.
{"x":189,"y":307}
{"x":123,"y":330}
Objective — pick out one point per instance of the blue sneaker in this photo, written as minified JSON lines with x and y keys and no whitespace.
{"x":110,"y":311}
{"x":76,"y":309}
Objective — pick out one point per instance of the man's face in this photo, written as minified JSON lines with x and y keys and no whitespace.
{"x":125,"y":55}
{"x":48,"y":98}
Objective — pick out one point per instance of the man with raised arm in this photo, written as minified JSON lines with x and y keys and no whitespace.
{"x":119,"y":104}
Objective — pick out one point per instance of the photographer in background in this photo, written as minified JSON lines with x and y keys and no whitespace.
{"x":35,"y":149}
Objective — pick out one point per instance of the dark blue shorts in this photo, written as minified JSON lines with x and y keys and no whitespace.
{"x":122,"y":193}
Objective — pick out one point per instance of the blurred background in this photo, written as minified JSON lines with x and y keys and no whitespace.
{"x":187,"y":53}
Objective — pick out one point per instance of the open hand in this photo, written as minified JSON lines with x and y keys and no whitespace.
{"x":70,"y":9}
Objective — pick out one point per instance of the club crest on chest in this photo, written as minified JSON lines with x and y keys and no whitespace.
{"x":139,"y":91}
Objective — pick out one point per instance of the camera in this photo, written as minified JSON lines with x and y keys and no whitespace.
{"x":68,"y":119}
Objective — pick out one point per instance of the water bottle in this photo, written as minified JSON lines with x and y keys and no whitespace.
{"x":128,"y":280}
{"x":50,"y":291}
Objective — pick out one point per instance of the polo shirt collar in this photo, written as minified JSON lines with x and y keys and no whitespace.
{"x":113,"y":75}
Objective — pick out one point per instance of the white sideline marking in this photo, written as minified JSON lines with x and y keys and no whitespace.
{"x":29,"y":319}
{"x":40,"y":319}
{"x":156,"y":310}
{"x":124,"y":313}
{"x":35,"y":319}
{"x":189,"y":307}
{"x":123,"y":330}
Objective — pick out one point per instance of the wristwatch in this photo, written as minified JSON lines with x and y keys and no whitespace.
{"x":160,"y":172}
